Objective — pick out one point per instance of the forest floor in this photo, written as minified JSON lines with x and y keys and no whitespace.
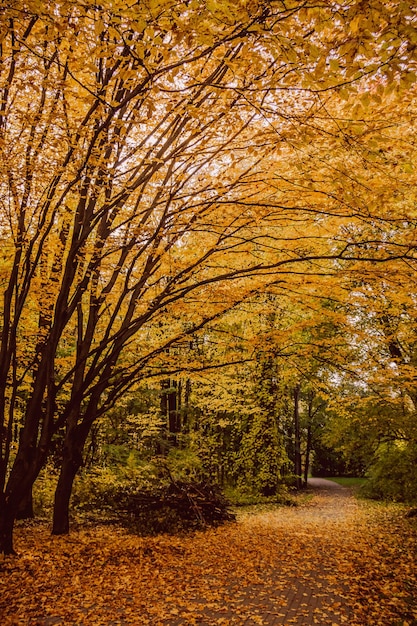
{"x":331,"y":561}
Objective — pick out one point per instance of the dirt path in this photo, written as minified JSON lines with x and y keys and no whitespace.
{"x":332,"y":561}
{"x":302,"y":588}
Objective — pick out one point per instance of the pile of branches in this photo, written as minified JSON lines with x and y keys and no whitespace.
{"x":170,"y":507}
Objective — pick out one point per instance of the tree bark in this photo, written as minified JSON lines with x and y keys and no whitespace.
{"x":7,"y":520}
{"x":308,"y":451}
{"x":72,"y":461}
{"x":23,"y":474}
{"x":25,"y":510}
{"x":18,"y":491}
{"x":297,"y":438}
{"x":69,"y":469}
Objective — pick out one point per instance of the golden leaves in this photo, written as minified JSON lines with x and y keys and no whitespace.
{"x":162,"y":118}
{"x":332,"y":561}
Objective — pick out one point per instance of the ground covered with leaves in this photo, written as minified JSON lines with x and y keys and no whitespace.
{"x":331,"y":561}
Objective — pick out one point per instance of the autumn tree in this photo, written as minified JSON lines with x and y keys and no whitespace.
{"x":236,"y":423}
{"x":137,"y":145}
{"x":255,"y":422}
{"x":375,"y":422}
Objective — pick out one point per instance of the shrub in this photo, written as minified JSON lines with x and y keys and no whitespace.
{"x":262,"y":458}
{"x":393,"y":475}
{"x":242,"y":496}
{"x":163,"y":507}
{"x":44,"y":491}
{"x":149,"y":499}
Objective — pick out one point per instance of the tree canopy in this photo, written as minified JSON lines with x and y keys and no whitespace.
{"x":164,"y":162}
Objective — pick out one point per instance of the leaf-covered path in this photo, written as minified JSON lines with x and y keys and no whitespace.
{"x":332,"y":561}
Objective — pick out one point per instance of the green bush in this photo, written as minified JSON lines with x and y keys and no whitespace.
{"x":96,"y":488}
{"x":152,"y":498}
{"x":261,"y":458}
{"x":241,"y":496}
{"x":184,"y":464}
{"x":161,"y":507}
{"x":44,"y":491}
{"x":393,"y":475}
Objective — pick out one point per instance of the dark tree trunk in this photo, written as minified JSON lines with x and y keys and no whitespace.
{"x":7,"y":520}
{"x":18,"y":492}
{"x":165,"y":385}
{"x":60,"y":524}
{"x":25,"y":510}
{"x":23,"y":474}
{"x":308,"y":451}
{"x":72,"y":461}
{"x":186,"y":410}
{"x":173,"y":411}
{"x":297,"y":438}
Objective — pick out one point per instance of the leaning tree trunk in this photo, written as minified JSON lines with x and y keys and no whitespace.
{"x":72,"y":461}
{"x":69,"y":469}
{"x":9,"y":509}
{"x":18,"y":490}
